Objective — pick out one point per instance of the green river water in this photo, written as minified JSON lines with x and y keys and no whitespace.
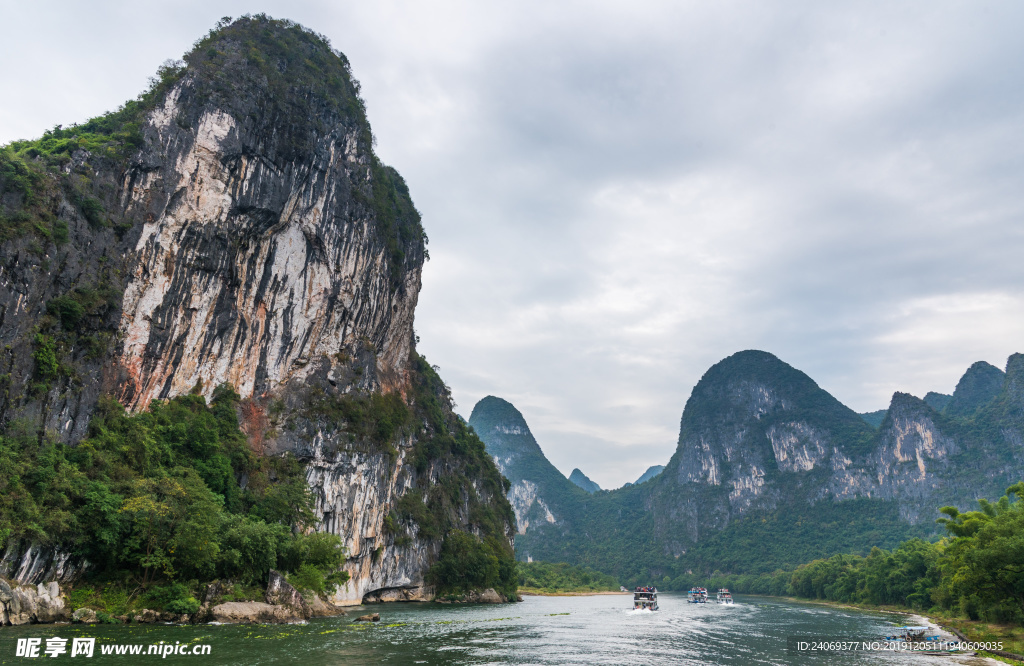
{"x":540,"y":630}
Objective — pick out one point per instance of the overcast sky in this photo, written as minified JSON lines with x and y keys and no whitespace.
{"x":619,"y":195}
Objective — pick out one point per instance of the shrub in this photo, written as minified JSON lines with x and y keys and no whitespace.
{"x":249,"y":549}
{"x":173,"y":598}
{"x":45,"y":356}
{"x":68,"y":310}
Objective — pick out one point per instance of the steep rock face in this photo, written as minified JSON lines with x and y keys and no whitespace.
{"x":911,"y":459}
{"x":540,"y":496}
{"x":355,"y":493}
{"x":244,"y":234}
{"x":754,"y":431}
{"x":250,"y":272}
{"x":30,"y":563}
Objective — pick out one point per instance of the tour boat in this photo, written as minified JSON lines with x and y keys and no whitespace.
{"x":645,"y":598}
{"x":913,"y":635}
{"x":724,"y":596}
{"x":698,"y":595}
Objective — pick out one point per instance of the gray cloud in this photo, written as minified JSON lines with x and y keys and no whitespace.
{"x":619,"y":195}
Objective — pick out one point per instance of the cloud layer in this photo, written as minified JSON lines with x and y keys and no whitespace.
{"x":619,"y":196}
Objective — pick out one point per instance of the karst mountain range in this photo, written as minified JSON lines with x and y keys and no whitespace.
{"x":768,"y":462}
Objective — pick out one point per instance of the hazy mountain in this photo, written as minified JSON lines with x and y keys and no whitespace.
{"x":979,"y":385}
{"x":874,"y":419}
{"x":937,"y":401}
{"x":652,"y":471}
{"x":583,"y":481}
{"x":539,"y":493}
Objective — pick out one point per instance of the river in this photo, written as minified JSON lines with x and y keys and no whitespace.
{"x":541,"y":630}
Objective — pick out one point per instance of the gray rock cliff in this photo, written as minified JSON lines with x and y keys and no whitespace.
{"x":244,"y":234}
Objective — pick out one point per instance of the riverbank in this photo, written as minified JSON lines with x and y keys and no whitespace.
{"x":951,"y":627}
{"x":546,"y":631}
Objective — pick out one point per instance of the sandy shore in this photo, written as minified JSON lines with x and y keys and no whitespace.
{"x":912,"y":620}
{"x":915,"y":620}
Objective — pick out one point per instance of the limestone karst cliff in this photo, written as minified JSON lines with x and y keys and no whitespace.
{"x":234,"y":226}
{"x":539,"y":493}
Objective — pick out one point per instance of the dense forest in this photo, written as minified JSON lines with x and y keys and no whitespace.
{"x":162,"y":501}
{"x":168,"y":498}
{"x":976,"y":571}
{"x":552,"y":578}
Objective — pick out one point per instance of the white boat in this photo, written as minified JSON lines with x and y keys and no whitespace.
{"x":698,"y":595}
{"x":913,"y":635}
{"x":645,"y":598}
{"x":724,"y":596}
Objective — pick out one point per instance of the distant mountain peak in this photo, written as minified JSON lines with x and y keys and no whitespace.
{"x":652,"y":471}
{"x":1015,"y":379}
{"x":937,"y":401}
{"x":493,"y":416}
{"x":540,"y":494}
{"x":875,"y":418}
{"x":979,"y":385}
{"x":583,"y":481}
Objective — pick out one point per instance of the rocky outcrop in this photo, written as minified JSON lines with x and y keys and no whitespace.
{"x":30,"y":563}
{"x":254,"y":612}
{"x":281,"y":593}
{"x":24,"y":604}
{"x":320,"y":608}
{"x":84,"y":616}
{"x":488,"y":596}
